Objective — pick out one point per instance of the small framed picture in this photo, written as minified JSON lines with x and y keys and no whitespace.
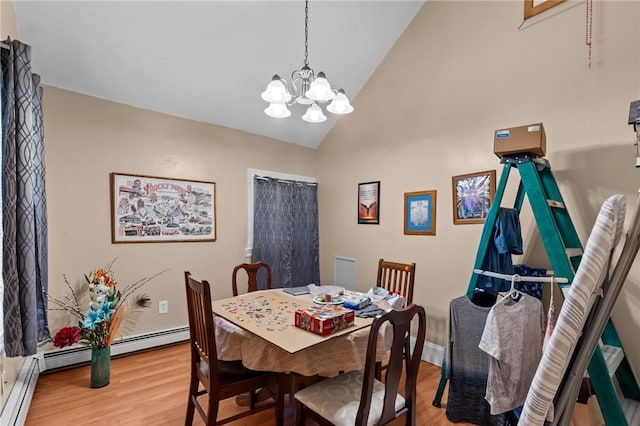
{"x":472,"y":196}
{"x":369,"y":203}
{"x":420,"y":213}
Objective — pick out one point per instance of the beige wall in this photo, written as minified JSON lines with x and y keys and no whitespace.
{"x":87,"y":138}
{"x":460,"y":71}
{"x":8,"y":26}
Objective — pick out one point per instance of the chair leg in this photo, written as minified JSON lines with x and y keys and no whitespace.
{"x":191,"y":407}
{"x":188,"y":420}
{"x":282,"y":383}
{"x":300,"y":414}
{"x":212,"y":411}
{"x":253,"y":397}
{"x":411,"y":417}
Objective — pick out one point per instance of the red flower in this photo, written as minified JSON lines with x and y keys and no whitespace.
{"x":67,"y":336}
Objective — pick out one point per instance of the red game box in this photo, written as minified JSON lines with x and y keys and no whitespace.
{"x":324,"y":320}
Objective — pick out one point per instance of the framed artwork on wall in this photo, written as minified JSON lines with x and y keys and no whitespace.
{"x":472,"y":196}
{"x":420,"y":213}
{"x":534,"y":7}
{"x":369,"y":203}
{"x":150,"y":209}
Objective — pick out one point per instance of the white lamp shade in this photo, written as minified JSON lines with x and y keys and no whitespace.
{"x":320,"y":90}
{"x":314,"y":114}
{"x":276,"y":92}
{"x":340,"y":104}
{"x":277,"y":110}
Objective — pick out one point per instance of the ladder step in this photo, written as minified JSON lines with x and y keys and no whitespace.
{"x":613,"y":356}
{"x":631,"y":411}
{"x":573,"y":252}
{"x":556,"y":204}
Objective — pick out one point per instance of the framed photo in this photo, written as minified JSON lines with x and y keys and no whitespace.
{"x":420,"y":213}
{"x":472,"y":196}
{"x":150,"y":209}
{"x":369,"y":203}
{"x":534,"y":7}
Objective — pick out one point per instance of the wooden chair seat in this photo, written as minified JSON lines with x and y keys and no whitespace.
{"x":337,"y":399}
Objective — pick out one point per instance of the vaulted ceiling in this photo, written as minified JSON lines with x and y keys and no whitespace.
{"x":210,"y":60}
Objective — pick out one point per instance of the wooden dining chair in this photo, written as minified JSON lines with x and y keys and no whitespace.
{"x":252,"y":270}
{"x":397,"y":278}
{"x":357,"y":398}
{"x":220,"y":380}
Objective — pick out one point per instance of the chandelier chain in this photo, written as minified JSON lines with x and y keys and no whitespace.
{"x":589,"y":28}
{"x":306,"y":33}
{"x":304,"y":88}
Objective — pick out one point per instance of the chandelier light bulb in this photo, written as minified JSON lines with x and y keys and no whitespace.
{"x":320,"y":89}
{"x":277,"y":110}
{"x":314,"y":114}
{"x":340,"y":104}
{"x":276,"y":91}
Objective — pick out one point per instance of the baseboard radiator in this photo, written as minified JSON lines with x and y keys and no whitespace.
{"x":16,"y":407}
{"x":344,"y":272}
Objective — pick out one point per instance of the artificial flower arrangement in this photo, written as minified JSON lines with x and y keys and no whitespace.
{"x":109,"y":308}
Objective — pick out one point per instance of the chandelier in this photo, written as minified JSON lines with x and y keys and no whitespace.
{"x":305,"y":88}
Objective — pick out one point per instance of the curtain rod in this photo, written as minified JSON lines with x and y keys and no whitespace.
{"x":285,"y":181}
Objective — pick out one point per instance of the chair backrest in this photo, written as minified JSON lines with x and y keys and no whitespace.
{"x":201,"y":330}
{"x":252,"y":270}
{"x":401,"y":356}
{"x":397,"y":277}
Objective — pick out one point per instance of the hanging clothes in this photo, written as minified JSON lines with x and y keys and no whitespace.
{"x":467,"y":366}
{"x":507,"y":240}
{"x":551,"y":322}
{"x":513,"y":337}
{"x":531,"y":288}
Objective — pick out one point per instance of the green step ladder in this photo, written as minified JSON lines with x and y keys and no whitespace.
{"x":564,"y":251}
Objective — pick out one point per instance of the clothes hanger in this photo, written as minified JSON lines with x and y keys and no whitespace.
{"x":513,"y":291}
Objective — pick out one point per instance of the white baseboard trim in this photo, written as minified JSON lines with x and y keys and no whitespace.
{"x":433,"y":353}
{"x":16,"y":407}
{"x":80,"y":354}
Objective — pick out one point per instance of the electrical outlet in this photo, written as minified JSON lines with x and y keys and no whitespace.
{"x":163,"y":307}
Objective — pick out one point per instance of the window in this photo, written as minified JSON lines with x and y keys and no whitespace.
{"x":251,"y":173}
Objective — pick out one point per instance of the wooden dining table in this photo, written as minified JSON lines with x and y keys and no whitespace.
{"x":258,"y":328}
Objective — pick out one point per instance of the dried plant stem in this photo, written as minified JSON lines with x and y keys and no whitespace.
{"x":114,"y":325}
{"x":131,"y":288}
{"x":71,"y":304}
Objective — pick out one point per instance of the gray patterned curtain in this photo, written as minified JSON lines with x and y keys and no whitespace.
{"x":285,"y":231}
{"x":24,"y":207}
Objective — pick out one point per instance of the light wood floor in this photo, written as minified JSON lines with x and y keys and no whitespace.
{"x":150,"y":388}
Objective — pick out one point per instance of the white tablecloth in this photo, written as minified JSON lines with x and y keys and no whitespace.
{"x":341,"y":353}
